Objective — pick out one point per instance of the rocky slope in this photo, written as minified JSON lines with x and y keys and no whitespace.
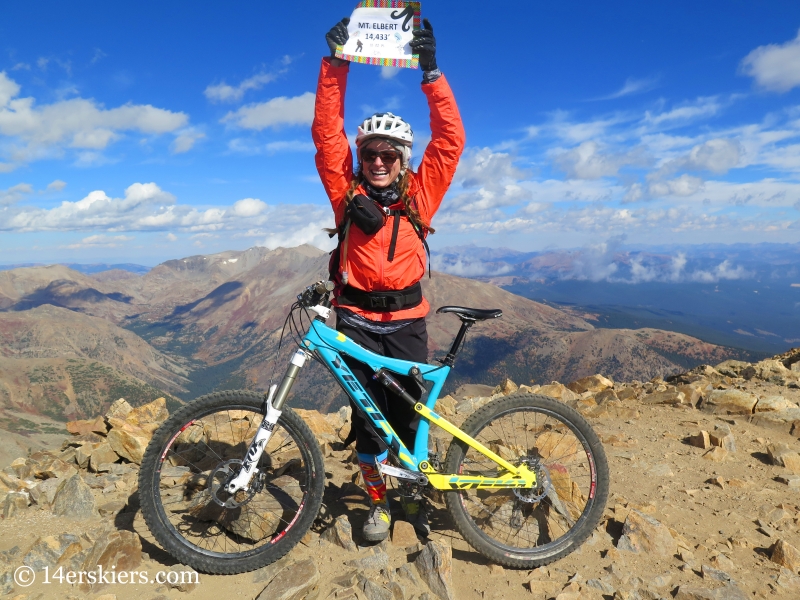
{"x":705,"y":468}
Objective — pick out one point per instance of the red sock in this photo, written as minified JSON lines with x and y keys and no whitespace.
{"x":376,"y":486}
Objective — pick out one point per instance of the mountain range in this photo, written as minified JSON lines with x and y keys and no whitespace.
{"x":72,"y":342}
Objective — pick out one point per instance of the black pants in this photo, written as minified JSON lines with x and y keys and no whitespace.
{"x":408,"y":343}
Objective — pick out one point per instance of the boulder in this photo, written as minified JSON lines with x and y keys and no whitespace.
{"x":700,"y":440}
{"x":782,"y":455}
{"x":735,"y":402}
{"x":152,"y":413}
{"x":642,"y":533}
{"x":446,"y":406}
{"x":96,"y":425}
{"x":435,"y":567}
{"x":14,"y":502}
{"x":558,"y":391}
{"x":723,"y":437}
{"x":593,"y":383}
{"x":403,"y":534}
{"x":782,"y":420}
{"x":127,"y":440}
{"x":340,"y":533}
{"x":74,"y":499}
{"x":505,"y":388}
{"x":671,"y":397}
{"x":102,"y":455}
{"x":692,"y":393}
{"x":773,"y":404}
{"x":113,"y":550}
{"x":786,"y":555}
{"x":732,"y":368}
{"x":119,"y":409}
{"x":46,"y":551}
{"x":294,"y":582}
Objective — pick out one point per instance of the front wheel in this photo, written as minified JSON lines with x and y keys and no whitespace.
{"x":201,"y":447}
{"x":527,"y":528}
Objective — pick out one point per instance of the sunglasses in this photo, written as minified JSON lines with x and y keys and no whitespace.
{"x":388,"y":157}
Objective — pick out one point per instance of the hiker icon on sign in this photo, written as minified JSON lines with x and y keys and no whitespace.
{"x":359,"y":46}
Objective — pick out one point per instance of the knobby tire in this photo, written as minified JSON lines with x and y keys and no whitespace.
{"x":179,"y":466}
{"x":496,"y":522}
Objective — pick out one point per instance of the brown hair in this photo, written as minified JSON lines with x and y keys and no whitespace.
{"x":402,"y":188}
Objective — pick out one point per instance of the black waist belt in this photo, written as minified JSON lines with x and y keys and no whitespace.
{"x":387,"y":301}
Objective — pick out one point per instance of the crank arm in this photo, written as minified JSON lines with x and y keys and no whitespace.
{"x":404,"y":474}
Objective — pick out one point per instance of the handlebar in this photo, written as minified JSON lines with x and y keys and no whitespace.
{"x":317,"y":293}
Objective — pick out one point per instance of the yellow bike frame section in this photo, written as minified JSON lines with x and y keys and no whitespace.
{"x":516,"y":477}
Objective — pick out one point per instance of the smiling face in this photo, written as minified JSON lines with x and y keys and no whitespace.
{"x":378,"y":173}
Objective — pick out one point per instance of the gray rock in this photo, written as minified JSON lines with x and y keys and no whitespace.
{"x":374,"y":558}
{"x":601,"y":585}
{"x":729,"y":592}
{"x":723,"y":437}
{"x":642,"y":533}
{"x":731,"y":401}
{"x":293,"y":582}
{"x":268,"y":573}
{"x":74,"y":499}
{"x":435,"y":567}
{"x":48,"y":550}
{"x":45,"y":492}
{"x":373,"y":591}
{"x":340,"y":533}
{"x":14,"y":502}
{"x":712,"y":573}
{"x":6,"y":583}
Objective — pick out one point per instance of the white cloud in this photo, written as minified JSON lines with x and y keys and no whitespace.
{"x":100,"y":241}
{"x":171,"y":237}
{"x":312,"y":233}
{"x":45,"y":131}
{"x":223,"y":92}
{"x":248,"y":207}
{"x":587,"y":161}
{"x":186,"y":140}
{"x":389,"y":72}
{"x":702,"y":108}
{"x":775,"y":67}
{"x":15,"y":193}
{"x":633,"y":86}
{"x":298,"y":110}
{"x":289,"y":146}
{"x":685,"y":185}
{"x":56,"y":186}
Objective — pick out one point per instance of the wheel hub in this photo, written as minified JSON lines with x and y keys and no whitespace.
{"x":221,"y":477}
{"x":543,"y":484}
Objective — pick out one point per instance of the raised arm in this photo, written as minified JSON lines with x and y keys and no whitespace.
{"x":334,"y":158}
{"x":438,"y":165}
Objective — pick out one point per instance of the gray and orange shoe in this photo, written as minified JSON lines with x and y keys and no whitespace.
{"x":376,"y":527}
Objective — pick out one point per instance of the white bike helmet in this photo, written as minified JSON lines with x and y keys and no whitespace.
{"x":389,"y":127}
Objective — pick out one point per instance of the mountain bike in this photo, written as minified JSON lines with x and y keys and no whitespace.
{"x":233,"y":480}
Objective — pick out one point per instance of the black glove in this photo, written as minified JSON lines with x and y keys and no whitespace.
{"x":424,"y":44}
{"x":338,"y":35}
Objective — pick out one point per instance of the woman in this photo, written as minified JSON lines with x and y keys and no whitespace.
{"x":378,"y":299}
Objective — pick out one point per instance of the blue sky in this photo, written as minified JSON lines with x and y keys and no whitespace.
{"x":151,"y":131}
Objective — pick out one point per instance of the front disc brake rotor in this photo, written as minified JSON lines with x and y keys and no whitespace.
{"x":220,"y":477}
{"x":543,"y":485}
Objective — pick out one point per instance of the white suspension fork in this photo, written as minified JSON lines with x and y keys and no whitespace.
{"x":264,"y":432}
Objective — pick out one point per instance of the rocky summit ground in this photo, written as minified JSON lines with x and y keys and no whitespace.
{"x":704,"y":505}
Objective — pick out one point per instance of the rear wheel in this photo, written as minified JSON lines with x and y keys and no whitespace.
{"x":201,"y":447}
{"x":526,"y":528}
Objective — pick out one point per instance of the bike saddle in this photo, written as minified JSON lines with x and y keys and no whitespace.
{"x":472,"y":314}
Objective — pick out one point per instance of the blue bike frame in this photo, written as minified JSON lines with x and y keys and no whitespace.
{"x":327,"y":343}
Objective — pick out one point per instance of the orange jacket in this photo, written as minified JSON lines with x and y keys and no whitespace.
{"x":367,"y":265}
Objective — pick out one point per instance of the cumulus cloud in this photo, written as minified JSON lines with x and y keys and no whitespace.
{"x":222,"y":92}
{"x":389,"y":72}
{"x":298,"y":110}
{"x":685,"y":185}
{"x":185,"y":141}
{"x":15,"y":193}
{"x":249,"y":207}
{"x":775,"y":67}
{"x":588,"y":161}
{"x":42,"y":131}
{"x":56,"y":186}
{"x":311,"y":233}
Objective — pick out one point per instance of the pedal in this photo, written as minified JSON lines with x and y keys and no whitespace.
{"x":404,"y":474}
